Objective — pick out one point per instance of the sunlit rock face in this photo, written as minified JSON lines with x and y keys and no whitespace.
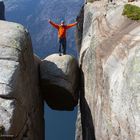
{"x":21,"y":106}
{"x":110,"y":62}
{"x":59,"y":81}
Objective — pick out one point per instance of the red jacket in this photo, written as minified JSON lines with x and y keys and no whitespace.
{"x":62,"y":29}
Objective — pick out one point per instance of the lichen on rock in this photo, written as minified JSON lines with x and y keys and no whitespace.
{"x":132,"y":11}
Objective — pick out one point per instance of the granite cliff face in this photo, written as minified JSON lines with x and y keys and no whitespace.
{"x":110,"y":70}
{"x":21,"y":105}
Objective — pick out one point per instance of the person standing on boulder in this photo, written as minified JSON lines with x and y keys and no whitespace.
{"x":62,"y":28}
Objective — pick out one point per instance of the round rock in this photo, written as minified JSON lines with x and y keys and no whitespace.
{"x":59,"y":81}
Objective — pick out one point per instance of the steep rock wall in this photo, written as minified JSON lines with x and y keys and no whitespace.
{"x":109,"y":61}
{"x":21,"y":106}
{"x":59,"y":79}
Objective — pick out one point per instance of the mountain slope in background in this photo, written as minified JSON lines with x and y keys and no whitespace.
{"x":35,"y":14}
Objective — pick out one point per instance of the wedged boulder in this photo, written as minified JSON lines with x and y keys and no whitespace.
{"x":21,"y":106}
{"x":59,"y":81}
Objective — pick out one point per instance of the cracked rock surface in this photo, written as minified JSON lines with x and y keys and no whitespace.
{"x":21,"y":106}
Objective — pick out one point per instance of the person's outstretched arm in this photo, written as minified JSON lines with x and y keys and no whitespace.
{"x":53,"y":24}
{"x":71,"y":25}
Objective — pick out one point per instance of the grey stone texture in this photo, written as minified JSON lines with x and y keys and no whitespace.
{"x":21,"y":106}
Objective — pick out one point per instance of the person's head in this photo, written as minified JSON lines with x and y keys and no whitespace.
{"x":62,"y":22}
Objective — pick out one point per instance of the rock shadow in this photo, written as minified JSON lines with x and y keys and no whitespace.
{"x":88,"y":131}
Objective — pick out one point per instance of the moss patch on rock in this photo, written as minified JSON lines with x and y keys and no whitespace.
{"x":132,"y":11}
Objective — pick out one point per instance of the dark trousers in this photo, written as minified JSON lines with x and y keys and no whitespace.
{"x":62,"y":45}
